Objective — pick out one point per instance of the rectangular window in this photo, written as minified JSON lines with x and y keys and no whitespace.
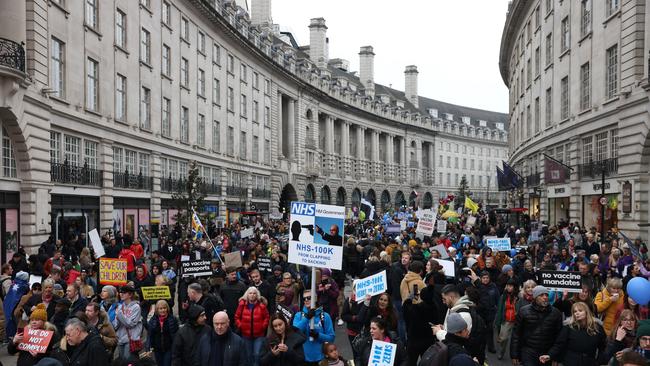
{"x":549,"y":49}
{"x":166,"y":60}
{"x":201,"y":83}
{"x":585,"y":87}
{"x":92,"y":84}
{"x":173,"y":168}
{"x":529,"y":72}
{"x":548,"y":111}
{"x":231,"y":100}
{"x":455,"y":162}
{"x":185,"y":125}
{"x":120,"y":98}
{"x":611,"y":7}
{"x":537,"y":117}
{"x":529,"y":121}
{"x":564,"y":98}
{"x":566,"y":34}
{"x":145,"y":108}
{"x":166,"y":13}
{"x":267,"y":86}
{"x":244,"y":73}
{"x":537,"y":18}
{"x":130,"y":161}
{"x":267,"y":152}
{"x":55,"y":147}
{"x":90,"y":153}
{"x":256,"y":80}
{"x":549,"y":5}
{"x":185,"y":72}
{"x":216,"y":54}
{"x":216,"y":136}
{"x":242,"y":145}
{"x":166,"y":117}
{"x":231,"y":64}
{"x":143,"y":164}
{"x":448,"y":161}
{"x":256,"y":111}
{"x":91,"y":13}
{"x":537,"y":61}
{"x":601,"y":146}
{"x":230,"y":141}
{"x":216,"y":91}
{"x":71,"y":150}
{"x":185,"y":29}
{"x":182,"y":169}
{"x":267,"y":116}
{"x":585,"y":17}
{"x":58,"y":68}
{"x":611,"y":72}
{"x":118,"y":159}
{"x":145,"y":46}
{"x":200,"y":131}
{"x":201,"y":42}
{"x":145,"y":3}
{"x":613,"y":143}
{"x":120,"y":28}
{"x":256,"y":149}
{"x":587,"y":150}
{"x":243,"y":107}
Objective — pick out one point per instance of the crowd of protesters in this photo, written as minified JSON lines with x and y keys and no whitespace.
{"x":261,"y":315}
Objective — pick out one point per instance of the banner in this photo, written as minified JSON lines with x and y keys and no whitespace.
{"x":373,"y":285}
{"x":426,"y":223}
{"x":499,"y":244}
{"x":440,"y":249}
{"x":196,"y":268}
{"x":264,"y":264}
{"x":112,"y":271}
{"x":35,"y":340}
{"x":471,"y":221}
{"x":382,"y":353}
{"x":316,"y":235}
{"x":96,"y":243}
{"x":560,"y":280}
{"x":554,"y":171}
{"x":448,"y":266}
{"x":393,"y":229}
{"x":441,"y":226}
{"x":368,"y":209}
{"x":156,"y":292}
{"x":286,"y":312}
{"x":247,"y":233}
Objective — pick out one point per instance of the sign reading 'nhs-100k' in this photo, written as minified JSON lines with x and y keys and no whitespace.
{"x":316,"y":235}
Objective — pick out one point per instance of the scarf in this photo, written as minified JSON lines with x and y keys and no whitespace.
{"x":218,"y":346}
{"x":161,"y":320}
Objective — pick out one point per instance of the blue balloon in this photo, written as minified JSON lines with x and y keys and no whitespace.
{"x":466,"y":240}
{"x":639,"y":290}
{"x":513,"y":252}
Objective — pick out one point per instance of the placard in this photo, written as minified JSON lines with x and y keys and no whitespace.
{"x":287,"y":313}
{"x":156,"y":292}
{"x":112,"y":271}
{"x":471,"y":221}
{"x":35,"y":279}
{"x":185,"y":258}
{"x":560,"y":280}
{"x":247,"y":233}
{"x":442,"y":250}
{"x":393,"y":229}
{"x":499,"y":244}
{"x":567,"y":235}
{"x":316,"y":235}
{"x":402,"y":225}
{"x":441,"y":226}
{"x":233,"y":259}
{"x":382,"y":353}
{"x":264,"y":264}
{"x":372,"y":285}
{"x":426,"y":223}
{"x":35,"y":340}
{"x":448,"y":266}
{"x":196,"y":268}
{"x":96,"y":242}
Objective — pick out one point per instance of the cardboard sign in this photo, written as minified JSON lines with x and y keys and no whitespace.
{"x":264,"y":264}
{"x":96,"y":243}
{"x":35,"y":279}
{"x":499,"y":244}
{"x":316,"y":235}
{"x":448,"y":266}
{"x":196,"y":268}
{"x":373,"y":285}
{"x":426,"y":223}
{"x":560,"y":280}
{"x":233,"y":259}
{"x":288,"y":314}
{"x":185,"y":258}
{"x":112,"y":271}
{"x":35,"y":340}
{"x":382,"y":353}
{"x":247,"y":233}
{"x":471,"y":221}
{"x":441,"y":226}
{"x":442,"y":250}
{"x":156,"y":292}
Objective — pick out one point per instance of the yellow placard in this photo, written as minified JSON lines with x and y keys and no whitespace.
{"x":156,"y":292}
{"x":112,"y":271}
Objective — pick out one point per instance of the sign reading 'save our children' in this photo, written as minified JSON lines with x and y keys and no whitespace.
{"x":112,"y":271}
{"x":560,"y":280}
{"x":316,"y":235}
{"x":372,"y":285}
{"x":382,"y":353}
{"x":499,"y":244}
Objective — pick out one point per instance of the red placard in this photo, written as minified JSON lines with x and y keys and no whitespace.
{"x":112,"y":271}
{"x":35,"y":340}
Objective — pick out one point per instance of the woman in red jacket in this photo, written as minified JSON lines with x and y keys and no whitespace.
{"x":252,"y":320}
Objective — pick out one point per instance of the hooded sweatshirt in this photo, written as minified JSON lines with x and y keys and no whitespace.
{"x":322,"y":325}
{"x":463,"y":303}
{"x":406,"y":287}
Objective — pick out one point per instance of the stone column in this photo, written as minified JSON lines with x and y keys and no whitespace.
{"x":390,"y":157}
{"x":280,"y":127}
{"x":329,"y":143}
{"x":345,"y":146}
{"x":106,"y":197}
{"x":156,"y":173}
{"x":291,"y":121}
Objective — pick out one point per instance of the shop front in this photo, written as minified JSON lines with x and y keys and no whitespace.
{"x":73,"y":215}
{"x":234,"y":211}
{"x":533,"y":205}
{"x":558,"y":203}
{"x":131,"y":217}
{"x":9,"y":224}
{"x":593,"y":202}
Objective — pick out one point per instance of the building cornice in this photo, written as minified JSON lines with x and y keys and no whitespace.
{"x":508,"y":37}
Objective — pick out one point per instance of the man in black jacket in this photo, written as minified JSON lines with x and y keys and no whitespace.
{"x":487,"y":306}
{"x":456,"y":340}
{"x":231,"y":291}
{"x":536,"y":327}
{"x":188,"y":335}
{"x":222,"y":346}
{"x":88,"y":348}
{"x":264,"y":287}
{"x":397,"y":272}
{"x":210,"y":304}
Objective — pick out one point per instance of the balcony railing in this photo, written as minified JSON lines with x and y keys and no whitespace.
{"x":12,"y":54}
{"x":132,"y":181}
{"x":72,"y":174}
{"x":593,"y":170}
{"x":170,"y":184}
{"x":261,"y":193}
{"x":212,"y":189}
{"x":532,"y":180}
{"x":236,"y":191}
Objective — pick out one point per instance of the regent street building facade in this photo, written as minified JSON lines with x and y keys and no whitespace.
{"x":105,"y":104}
{"x":578,"y":78}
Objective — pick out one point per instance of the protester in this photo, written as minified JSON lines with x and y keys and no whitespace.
{"x":322,"y":330}
{"x":98,"y":319}
{"x":283,"y":345}
{"x":506,"y":314}
{"x":88,"y":347}
{"x":379,"y":331}
{"x":128,"y":325}
{"x":161,"y":330}
{"x":457,"y":341}
{"x":252,"y":321}
{"x":18,"y":289}
{"x":221,"y":346}
{"x":188,"y":336}
{"x":37,"y":320}
{"x":608,"y":301}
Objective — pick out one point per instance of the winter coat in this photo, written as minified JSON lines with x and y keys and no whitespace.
{"x":500,"y":317}
{"x":90,"y":352}
{"x":418,"y":316}
{"x":456,"y":346}
{"x":185,"y":342}
{"x":489,"y":300}
{"x":576,"y":347}
{"x":128,"y":322}
{"x":25,"y":358}
{"x":327,"y":298}
{"x":463,"y":303}
{"x":401,"y":357}
{"x":535,"y":328}
{"x":294,"y":355}
{"x":161,"y":339}
{"x":350,"y":315}
{"x":234,"y":350}
{"x":395,"y":276}
{"x":106,"y":331}
{"x":37,"y":299}
{"x":406,"y":286}
{"x":230,"y":293}
{"x":252,"y":323}
{"x":268,"y":292}
{"x":212,"y":304}
{"x":322,"y":325}
{"x":607,"y":308}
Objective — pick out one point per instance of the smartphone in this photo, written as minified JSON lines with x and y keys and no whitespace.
{"x":415,"y":290}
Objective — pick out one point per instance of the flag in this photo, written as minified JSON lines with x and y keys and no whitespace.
{"x":554,"y":171}
{"x":368,"y":209}
{"x":633,"y":249}
{"x":197,"y":227}
{"x":471,"y":205}
{"x":502,"y":180}
{"x":512,"y":176}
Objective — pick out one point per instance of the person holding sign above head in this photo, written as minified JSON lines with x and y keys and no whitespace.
{"x":283,"y":346}
{"x":332,"y":237}
{"x":379,"y":332}
{"x":37,"y":321}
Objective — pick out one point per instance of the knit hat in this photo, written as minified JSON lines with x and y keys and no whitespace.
{"x":40,"y":313}
{"x":111,"y":290}
{"x":326,"y":272}
{"x":471,"y":262}
{"x":412,"y":243}
{"x":455,"y":323}
{"x":539,"y":290}
{"x":506,"y":268}
{"x":22,"y":275}
{"x":194,"y":311}
{"x":643,"y":329}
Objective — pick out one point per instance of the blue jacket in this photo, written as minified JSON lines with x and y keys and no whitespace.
{"x":323,"y":325}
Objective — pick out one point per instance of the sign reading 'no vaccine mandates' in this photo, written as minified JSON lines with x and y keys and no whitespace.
{"x":316,"y":235}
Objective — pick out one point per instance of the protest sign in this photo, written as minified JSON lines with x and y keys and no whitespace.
{"x":382,"y":353}
{"x":247,"y":233}
{"x":448,"y":266}
{"x":96,"y":243}
{"x":567,"y":235}
{"x":287,"y":313}
{"x":275,"y":215}
{"x":233,"y":259}
{"x":35,"y":340}
{"x":393,"y":229}
{"x":560,"y":280}
{"x":442,"y":250}
{"x":185,"y":258}
{"x":316,"y":237}
{"x":196,"y":268}
{"x":264,"y":264}
{"x":426,"y":223}
{"x":499,"y":244}
{"x":112,"y":271}
{"x":402,"y":225}
{"x":441,"y":226}
{"x":156,"y":292}
{"x":35,"y":279}
{"x":471,"y":221}
{"x":372,"y":285}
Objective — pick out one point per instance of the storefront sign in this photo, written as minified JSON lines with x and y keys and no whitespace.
{"x":560,"y":280}
{"x":627,"y":197}
{"x":112,"y":271}
{"x":589,"y":188}
{"x":563,"y":190}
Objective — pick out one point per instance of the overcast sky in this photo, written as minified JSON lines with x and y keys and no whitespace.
{"x":454,"y":43}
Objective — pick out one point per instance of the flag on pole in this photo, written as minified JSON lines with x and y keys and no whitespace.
{"x":368,"y":209}
{"x":512,"y":176}
{"x":502,"y":180}
{"x":197,"y":226}
{"x":471,"y":205}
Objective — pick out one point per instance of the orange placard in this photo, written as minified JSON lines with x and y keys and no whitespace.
{"x":112,"y":271}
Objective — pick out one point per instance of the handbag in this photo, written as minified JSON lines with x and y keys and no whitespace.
{"x":360,"y":341}
{"x":135,"y":345}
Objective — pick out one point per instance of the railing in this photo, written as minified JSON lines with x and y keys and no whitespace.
{"x":261,"y":193}
{"x":532,"y":180}
{"x":12,"y":54}
{"x":310,"y":143}
{"x":170,"y":184}
{"x":593,"y":170}
{"x":72,"y":174}
{"x":236,"y":191}
{"x":212,"y":189}
{"x":132,"y":181}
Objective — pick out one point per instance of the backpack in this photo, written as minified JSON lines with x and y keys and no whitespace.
{"x":435,"y":355}
{"x":2,"y":290}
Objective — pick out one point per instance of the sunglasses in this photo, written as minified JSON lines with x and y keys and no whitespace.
{"x":307,"y":298}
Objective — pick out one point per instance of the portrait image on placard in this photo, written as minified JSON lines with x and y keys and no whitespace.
{"x":328,"y":230}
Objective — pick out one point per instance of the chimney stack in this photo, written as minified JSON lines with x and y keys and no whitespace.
{"x":367,"y":69}
{"x":411,"y":84}
{"x":318,"y":42}
{"x":261,"y":12}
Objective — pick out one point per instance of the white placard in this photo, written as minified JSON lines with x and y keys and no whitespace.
{"x":441,"y":226}
{"x":35,"y":279}
{"x":567,"y":235}
{"x":499,"y":244}
{"x":382,"y":353}
{"x":316,"y":235}
{"x":373,"y":285}
{"x":426,"y":223}
{"x":247,"y":233}
{"x":96,"y":243}
{"x":471,"y":221}
{"x":442,"y":250}
{"x":448,"y":266}
{"x":185,"y":258}
{"x":402,"y":225}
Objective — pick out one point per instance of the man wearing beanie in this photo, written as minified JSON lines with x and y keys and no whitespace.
{"x":456,"y":341}
{"x":535,"y":329}
{"x":188,"y":336}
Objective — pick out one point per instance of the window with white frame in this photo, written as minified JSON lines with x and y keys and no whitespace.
{"x":611,"y":72}
{"x":216,"y":136}
{"x":267,"y":86}
{"x":166,"y":13}
{"x":601,"y":146}
{"x":200,"y":130}
{"x":256,"y":111}
{"x":166,"y":60}
{"x":55,"y":147}
{"x":537,"y":117}
{"x":9,"y":169}
{"x":185,"y":29}
{"x":243,"y":73}
{"x":166,"y":127}
{"x":585,"y":17}
{"x":185,"y":72}
{"x":216,"y":54}
{"x":537,"y":61}
{"x":58,"y":68}
{"x":230,"y":141}
{"x":92,"y":84}
{"x":118,"y":159}
{"x":200,"y":42}
{"x":256,"y":149}
{"x":231,"y":99}
{"x":130,"y":161}
{"x":185,"y":125}
{"x":587,"y":150}
{"x":145,"y":46}
{"x":565,"y":28}
{"x":564,"y":98}
{"x":120,"y":97}
{"x":231,"y":64}
{"x":173,"y":169}
{"x":145,"y":108}
{"x":256,"y":80}
{"x":549,"y":48}
{"x":613,"y":143}
{"x":216,"y":91}
{"x":611,"y":7}
{"x":92,"y":11}
{"x":243,"y":106}
{"x":267,"y":152}
{"x":72,"y":149}
{"x":267,"y":116}
{"x":585,"y":87}
{"x":548,"y":110}
{"x":90,"y":153}
{"x":120,"y":28}
{"x":243,"y":145}
{"x":182,"y":169}
{"x":143,"y":164}
{"x":201,"y":83}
